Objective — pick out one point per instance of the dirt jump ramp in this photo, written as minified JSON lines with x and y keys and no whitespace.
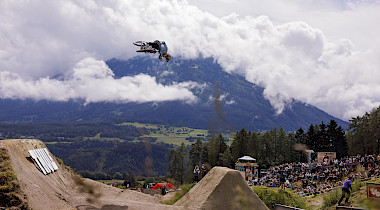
{"x":63,"y":189}
{"x":222,"y":188}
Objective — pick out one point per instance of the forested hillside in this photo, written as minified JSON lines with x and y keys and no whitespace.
{"x":96,"y":149}
{"x":102,"y":159}
{"x":69,"y":131}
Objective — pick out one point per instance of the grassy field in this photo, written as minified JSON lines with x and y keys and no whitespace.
{"x":56,"y":142}
{"x":170,"y":134}
{"x":110,"y":181}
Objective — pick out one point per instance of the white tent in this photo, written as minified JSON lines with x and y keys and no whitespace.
{"x":247,"y":158}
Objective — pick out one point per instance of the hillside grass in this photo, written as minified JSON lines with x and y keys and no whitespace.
{"x":359,"y":195}
{"x":180,"y":193}
{"x":11,"y":196}
{"x":358,"y":198}
{"x":110,"y":181}
{"x":272,"y":196}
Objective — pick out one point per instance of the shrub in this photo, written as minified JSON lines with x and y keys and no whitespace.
{"x":273,"y":196}
{"x":331,"y":198}
{"x":9,"y":186}
{"x":180,"y":193}
{"x":356,"y":185}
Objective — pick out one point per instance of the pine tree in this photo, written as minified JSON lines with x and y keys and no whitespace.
{"x":253,"y":143}
{"x":183,"y":158}
{"x":216,"y":146}
{"x":221,"y":144}
{"x":292,"y":154}
{"x":281,"y":147}
{"x":204,"y":157}
{"x":239,"y":144}
{"x":311,"y":138}
{"x":337,"y":139}
{"x":174,"y":165}
{"x":268,"y":150}
{"x":300,"y":136}
{"x":357,"y":137}
{"x":126,"y":179}
{"x":132,"y":179}
{"x":195,"y":153}
{"x":324,"y":143}
{"x":227,"y":159}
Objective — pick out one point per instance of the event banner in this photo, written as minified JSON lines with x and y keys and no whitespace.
{"x":373,"y":190}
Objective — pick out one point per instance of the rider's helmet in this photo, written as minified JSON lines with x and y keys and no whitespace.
{"x":168,"y":56}
{"x":163,"y":42}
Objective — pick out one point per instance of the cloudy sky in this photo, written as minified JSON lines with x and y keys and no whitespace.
{"x":322,"y":52}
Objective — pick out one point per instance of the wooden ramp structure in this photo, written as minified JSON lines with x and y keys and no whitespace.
{"x":43,"y":160}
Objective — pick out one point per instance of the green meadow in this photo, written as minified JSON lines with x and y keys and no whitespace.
{"x":168,"y":134}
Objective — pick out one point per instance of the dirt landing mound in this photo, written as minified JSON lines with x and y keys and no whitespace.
{"x":63,"y":189}
{"x":222,"y":188}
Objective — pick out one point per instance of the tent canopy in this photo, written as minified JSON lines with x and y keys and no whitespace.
{"x":161,"y":185}
{"x":247,"y":158}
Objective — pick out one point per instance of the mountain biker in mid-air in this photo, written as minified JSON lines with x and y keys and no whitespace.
{"x":154,"y":47}
{"x":162,"y":49}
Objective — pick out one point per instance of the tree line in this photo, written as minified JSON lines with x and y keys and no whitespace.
{"x":270,"y":148}
{"x":69,"y":131}
{"x":106,"y":159}
{"x":364,"y":133}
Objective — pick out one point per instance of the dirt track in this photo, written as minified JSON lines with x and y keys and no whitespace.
{"x":63,"y":190}
{"x":221,"y":188}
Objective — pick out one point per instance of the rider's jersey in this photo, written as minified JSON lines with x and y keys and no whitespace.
{"x":347,"y":184}
{"x":163,"y":49}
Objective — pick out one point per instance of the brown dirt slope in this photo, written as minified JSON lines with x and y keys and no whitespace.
{"x":222,"y":188}
{"x":65,"y":190}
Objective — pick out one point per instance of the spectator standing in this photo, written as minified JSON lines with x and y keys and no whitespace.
{"x":204,"y":170}
{"x":196,"y":174}
{"x":282,"y":178}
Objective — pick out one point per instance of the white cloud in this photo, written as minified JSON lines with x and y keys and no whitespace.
{"x":231,"y":102}
{"x":93,"y":81}
{"x":325,"y":52}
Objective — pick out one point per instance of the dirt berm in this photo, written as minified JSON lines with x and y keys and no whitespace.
{"x":222,"y":188}
{"x":63,"y":189}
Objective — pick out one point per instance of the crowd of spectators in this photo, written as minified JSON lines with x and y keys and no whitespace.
{"x":318,"y":177}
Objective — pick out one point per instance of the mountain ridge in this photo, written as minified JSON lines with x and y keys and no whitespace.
{"x":247,"y":98}
{"x":242,"y":103}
